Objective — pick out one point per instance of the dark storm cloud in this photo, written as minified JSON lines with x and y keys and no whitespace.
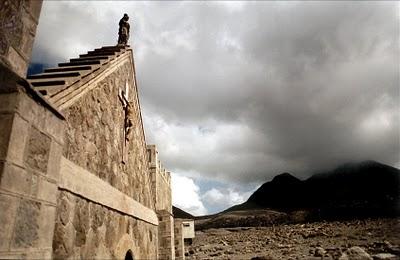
{"x":243,"y":91}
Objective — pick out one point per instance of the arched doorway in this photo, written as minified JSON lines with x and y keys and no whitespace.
{"x":129,"y":255}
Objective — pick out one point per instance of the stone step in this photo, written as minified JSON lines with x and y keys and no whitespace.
{"x":98,"y":53}
{"x":110,"y":48}
{"x":54,"y":75}
{"x":89,"y":58}
{"x":48,"y":90}
{"x":79,"y":63}
{"x":48,"y":83}
{"x":103,"y":51}
{"x":63,"y":69}
{"x":43,"y":92}
{"x":66,"y":80}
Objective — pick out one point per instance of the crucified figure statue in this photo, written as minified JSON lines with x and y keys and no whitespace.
{"x":129,"y":116}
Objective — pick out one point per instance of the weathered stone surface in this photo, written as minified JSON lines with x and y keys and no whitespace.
{"x":5,"y":132}
{"x":64,"y":209}
{"x":17,"y":61}
{"x":59,"y":239}
{"x":26,"y":225}
{"x":28,"y":108}
{"x":19,"y":19}
{"x":37,"y":155}
{"x":99,"y":214}
{"x":8,"y":205}
{"x":161,"y":181}
{"x":18,"y":140}
{"x":179,"y":242}
{"x":15,"y":179}
{"x":166,"y":237}
{"x":355,"y":253}
{"x":95,"y":137}
{"x":319,"y":251}
{"x":8,"y":102}
{"x":111,"y":231}
{"x":97,"y":231}
{"x":47,"y":190}
{"x":33,"y":7}
{"x":81,"y":222}
{"x":46,"y":226}
{"x":79,"y":181}
{"x":53,"y":167}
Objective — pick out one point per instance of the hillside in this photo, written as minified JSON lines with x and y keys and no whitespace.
{"x":179,"y":213}
{"x":354,"y":189}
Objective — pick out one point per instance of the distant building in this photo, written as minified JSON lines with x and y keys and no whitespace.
{"x":188,"y":231}
{"x":184,"y":234}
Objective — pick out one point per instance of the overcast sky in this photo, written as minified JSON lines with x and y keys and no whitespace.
{"x":234,"y":93}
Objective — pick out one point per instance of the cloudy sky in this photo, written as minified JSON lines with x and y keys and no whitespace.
{"x":234,"y":93}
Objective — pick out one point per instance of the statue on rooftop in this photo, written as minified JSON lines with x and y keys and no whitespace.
{"x":123,"y":32}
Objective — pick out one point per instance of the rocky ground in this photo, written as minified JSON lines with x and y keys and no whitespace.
{"x":357,"y":239}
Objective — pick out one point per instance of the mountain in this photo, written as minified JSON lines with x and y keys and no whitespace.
{"x":363,"y":189}
{"x":178,"y":213}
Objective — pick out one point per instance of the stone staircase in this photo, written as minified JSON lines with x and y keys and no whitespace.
{"x":58,"y":85}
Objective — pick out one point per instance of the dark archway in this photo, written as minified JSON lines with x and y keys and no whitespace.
{"x":129,"y":255}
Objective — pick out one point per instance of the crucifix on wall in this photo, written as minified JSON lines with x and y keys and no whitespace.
{"x":123,"y":96}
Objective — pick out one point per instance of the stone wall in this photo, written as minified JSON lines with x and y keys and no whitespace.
{"x":161,"y":181}
{"x":18,"y":23}
{"x":95,"y":137}
{"x":161,"y":186}
{"x":86,"y":230}
{"x":31,"y":139}
{"x":179,"y":241}
{"x":166,"y":238}
{"x":95,"y":140}
{"x":188,"y":228}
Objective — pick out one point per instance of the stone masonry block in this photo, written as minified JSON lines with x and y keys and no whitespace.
{"x":15,"y":179}
{"x":41,"y":254}
{"x":5,"y":133}
{"x":47,"y":191}
{"x":37,"y":151}
{"x":26,"y":45}
{"x":28,"y":108}
{"x":53,"y":167}
{"x":34,"y":7}
{"x":47,"y":218}
{"x":19,"y":136}
{"x":41,"y":117}
{"x":8,"y":102}
{"x":55,"y":127}
{"x":29,"y":23}
{"x":8,"y":212}
{"x":26,"y":230}
{"x":12,"y":255}
{"x":18,"y":63}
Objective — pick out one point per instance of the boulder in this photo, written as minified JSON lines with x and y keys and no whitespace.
{"x":355,"y":253}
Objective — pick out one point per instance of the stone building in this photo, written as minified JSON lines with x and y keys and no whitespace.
{"x":77,"y":178}
{"x":184,"y":234}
